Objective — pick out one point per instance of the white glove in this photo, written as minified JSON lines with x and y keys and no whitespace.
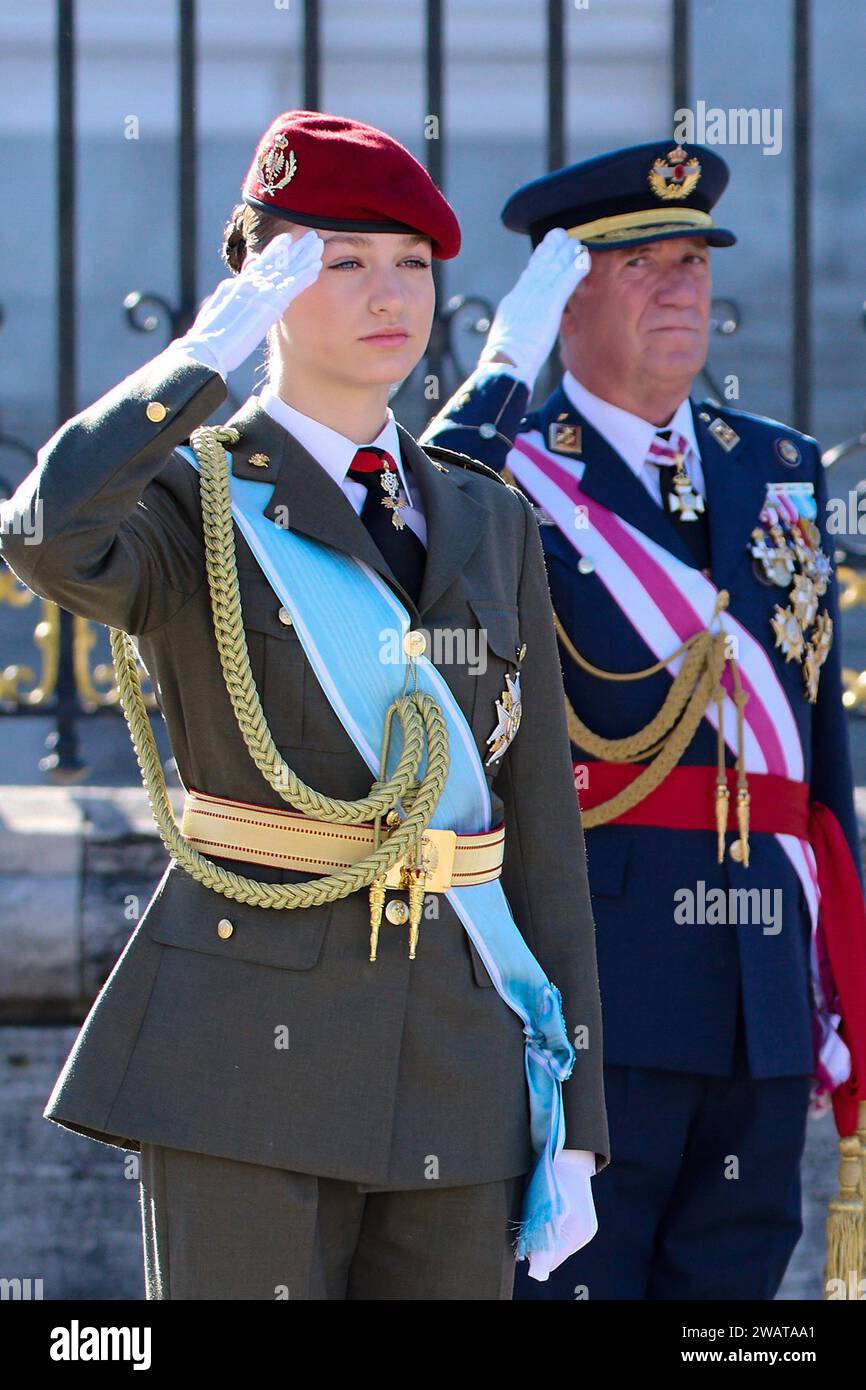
{"x":234,"y":319}
{"x":527,"y":321}
{"x":574,"y":1167}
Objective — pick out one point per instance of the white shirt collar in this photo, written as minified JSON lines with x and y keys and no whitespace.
{"x":628,"y":434}
{"x":328,"y":447}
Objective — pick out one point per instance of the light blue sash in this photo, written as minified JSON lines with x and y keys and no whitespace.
{"x":346,"y":618}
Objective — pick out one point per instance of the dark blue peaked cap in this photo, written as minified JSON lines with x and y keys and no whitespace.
{"x":627,"y":197}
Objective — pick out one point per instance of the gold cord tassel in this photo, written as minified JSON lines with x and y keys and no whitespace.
{"x":743,"y":802}
{"x":416,"y":905}
{"x":377,"y":902}
{"x":743,"y":797}
{"x":723,"y":796}
{"x":377,"y":887}
{"x":845,"y":1237}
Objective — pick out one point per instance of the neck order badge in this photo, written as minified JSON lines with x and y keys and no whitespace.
{"x":398,"y":543}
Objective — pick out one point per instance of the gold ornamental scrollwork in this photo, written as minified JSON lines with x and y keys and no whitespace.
{"x":852,"y":594}
{"x":94,"y":683}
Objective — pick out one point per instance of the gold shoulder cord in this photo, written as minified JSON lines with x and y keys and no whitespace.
{"x":698,"y":681}
{"x":419,"y":714}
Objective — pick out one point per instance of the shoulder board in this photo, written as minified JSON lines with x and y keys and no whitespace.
{"x":437,"y":454}
{"x":748,"y":417}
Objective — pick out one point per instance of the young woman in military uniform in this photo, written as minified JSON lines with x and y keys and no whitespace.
{"x":334,"y":1094}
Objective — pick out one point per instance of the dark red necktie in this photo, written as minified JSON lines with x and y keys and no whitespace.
{"x":399,"y":546}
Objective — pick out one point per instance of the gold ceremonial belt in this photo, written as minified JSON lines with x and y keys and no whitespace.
{"x":287,"y":840}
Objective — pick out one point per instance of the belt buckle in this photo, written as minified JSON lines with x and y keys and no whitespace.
{"x":438,"y":848}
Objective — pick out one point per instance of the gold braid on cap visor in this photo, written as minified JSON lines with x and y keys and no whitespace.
{"x":623,"y":226}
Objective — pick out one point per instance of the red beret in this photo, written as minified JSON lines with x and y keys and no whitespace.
{"x":328,"y":171}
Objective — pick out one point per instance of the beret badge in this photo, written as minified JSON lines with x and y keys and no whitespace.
{"x":275,"y":167}
{"x":676,"y":176}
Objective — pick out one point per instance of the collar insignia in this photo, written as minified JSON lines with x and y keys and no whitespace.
{"x":563,"y":438}
{"x":724,"y":435}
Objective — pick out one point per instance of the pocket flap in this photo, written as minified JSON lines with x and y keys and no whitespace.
{"x":186,"y":914}
{"x":479,"y":969}
{"x":260,"y":607}
{"x":498,"y":623}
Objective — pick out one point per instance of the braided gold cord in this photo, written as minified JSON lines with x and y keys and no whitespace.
{"x":621,"y":675}
{"x":662,"y":739}
{"x":672,"y":750}
{"x":640,"y":744}
{"x":420,"y":716}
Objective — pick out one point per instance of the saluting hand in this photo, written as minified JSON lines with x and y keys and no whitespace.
{"x":526,"y":324}
{"x":234,"y":319}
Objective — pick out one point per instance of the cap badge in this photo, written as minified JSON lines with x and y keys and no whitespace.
{"x":676,"y":176}
{"x":275,"y":167}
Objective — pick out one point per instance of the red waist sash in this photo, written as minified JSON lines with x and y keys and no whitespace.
{"x":685,"y":800}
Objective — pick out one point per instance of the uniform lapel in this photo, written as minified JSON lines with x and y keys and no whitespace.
{"x":455,"y":521}
{"x":306,"y":499}
{"x":608,"y":479}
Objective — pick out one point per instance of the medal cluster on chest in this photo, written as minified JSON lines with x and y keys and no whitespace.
{"x":786,"y":550}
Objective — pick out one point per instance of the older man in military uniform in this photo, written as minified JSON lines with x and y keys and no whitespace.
{"x":698,"y":619}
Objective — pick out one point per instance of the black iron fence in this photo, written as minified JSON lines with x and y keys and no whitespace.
{"x":66,"y":690}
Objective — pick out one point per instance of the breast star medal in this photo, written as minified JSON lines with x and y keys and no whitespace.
{"x":789,"y":634}
{"x":509,"y":708}
{"x":817,"y":650}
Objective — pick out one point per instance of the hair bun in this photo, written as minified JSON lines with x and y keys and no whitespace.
{"x":234,"y":243}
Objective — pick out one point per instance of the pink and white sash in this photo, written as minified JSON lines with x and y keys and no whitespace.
{"x":668,"y":601}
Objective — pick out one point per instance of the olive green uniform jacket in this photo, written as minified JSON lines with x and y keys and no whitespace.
{"x":394,"y":1073}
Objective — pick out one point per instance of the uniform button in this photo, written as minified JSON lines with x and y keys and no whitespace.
{"x":397,"y":912}
{"x":585,"y":565}
{"x":224,"y":928}
{"x":285,"y":616}
{"x":487,"y":431}
{"x":736,"y":852}
{"x":156,"y":411}
{"x":415,"y":643}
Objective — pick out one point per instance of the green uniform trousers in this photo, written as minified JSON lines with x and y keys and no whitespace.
{"x":214,"y":1228}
